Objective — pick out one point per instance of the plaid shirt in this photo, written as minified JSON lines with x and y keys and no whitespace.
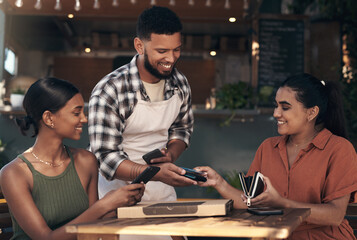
{"x":113,"y":100}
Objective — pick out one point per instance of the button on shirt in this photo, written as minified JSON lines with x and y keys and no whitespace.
{"x":113,"y":100}
{"x":325,"y":170}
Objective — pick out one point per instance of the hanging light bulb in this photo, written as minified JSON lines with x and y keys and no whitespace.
{"x":227,"y":5}
{"x":77,"y":5}
{"x":133,"y":1}
{"x":19,"y":3}
{"x":96,"y":4}
{"x":1,"y":1}
{"x":172,"y":2}
{"x":38,"y":5}
{"x":191,"y":2}
{"x":115,"y":3}
{"x":58,"y":6}
{"x":208,"y":3}
{"x":153,"y":2}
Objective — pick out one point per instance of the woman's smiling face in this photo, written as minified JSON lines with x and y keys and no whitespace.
{"x":291,"y":115}
{"x":70,"y":119}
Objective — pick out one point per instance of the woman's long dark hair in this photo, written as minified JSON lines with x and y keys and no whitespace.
{"x":311,"y":92}
{"x":45,"y":94}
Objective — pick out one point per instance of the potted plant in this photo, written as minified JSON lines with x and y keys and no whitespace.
{"x":17,"y":97}
{"x":234,"y":96}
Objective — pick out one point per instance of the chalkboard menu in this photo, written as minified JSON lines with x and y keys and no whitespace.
{"x":281,"y":50}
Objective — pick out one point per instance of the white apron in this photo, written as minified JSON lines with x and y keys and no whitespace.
{"x":146,"y":129}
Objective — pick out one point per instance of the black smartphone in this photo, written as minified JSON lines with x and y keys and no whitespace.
{"x":194,"y":175}
{"x":265,"y":211}
{"x":146,"y":175}
{"x":156,"y":153}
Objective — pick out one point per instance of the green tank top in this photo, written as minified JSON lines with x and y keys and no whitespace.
{"x":59,"y":199}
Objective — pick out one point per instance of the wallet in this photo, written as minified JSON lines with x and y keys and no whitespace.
{"x":252,"y":185}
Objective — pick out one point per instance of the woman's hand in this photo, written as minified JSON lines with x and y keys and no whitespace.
{"x":213,"y":178}
{"x":125,"y":196}
{"x":222,"y":186}
{"x":269,"y":198}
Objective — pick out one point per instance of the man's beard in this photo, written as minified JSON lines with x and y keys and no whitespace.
{"x":153,"y":70}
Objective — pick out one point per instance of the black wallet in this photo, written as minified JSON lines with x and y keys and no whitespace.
{"x":252,"y":185}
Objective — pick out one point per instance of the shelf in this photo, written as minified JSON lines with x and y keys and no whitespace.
{"x":12,"y":112}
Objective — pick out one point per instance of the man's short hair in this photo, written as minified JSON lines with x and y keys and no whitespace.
{"x":158,"y":20}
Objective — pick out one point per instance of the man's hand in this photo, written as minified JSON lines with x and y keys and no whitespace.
{"x":167,"y":157}
{"x":172,"y":175}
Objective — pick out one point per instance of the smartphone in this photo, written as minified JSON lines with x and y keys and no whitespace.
{"x":265,"y":211}
{"x":146,"y":175}
{"x":194,"y":175}
{"x":156,"y":153}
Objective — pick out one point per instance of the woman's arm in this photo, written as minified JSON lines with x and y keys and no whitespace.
{"x":222,"y":186}
{"x":15,"y":181}
{"x":330,"y":213}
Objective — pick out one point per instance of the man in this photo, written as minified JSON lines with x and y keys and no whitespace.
{"x":141,"y":106}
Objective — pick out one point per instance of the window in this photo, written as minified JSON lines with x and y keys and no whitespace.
{"x":10,"y":61}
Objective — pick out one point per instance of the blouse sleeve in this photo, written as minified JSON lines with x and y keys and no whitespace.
{"x":341,"y":176}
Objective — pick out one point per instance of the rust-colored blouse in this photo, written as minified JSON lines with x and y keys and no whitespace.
{"x":325,"y":170}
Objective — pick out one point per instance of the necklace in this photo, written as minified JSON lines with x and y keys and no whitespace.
{"x":301,"y":144}
{"x":45,"y":162}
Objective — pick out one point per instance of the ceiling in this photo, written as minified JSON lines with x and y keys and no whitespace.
{"x":51,"y":30}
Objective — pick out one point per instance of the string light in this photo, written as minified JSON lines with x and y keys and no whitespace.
{"x":77,"y":5}
{"x":58,"y":5}
{"x":115,"y":3}
{"x":19,"y":3}
{"x":227,"y":4}
{"x":232,"y":19}
{"x":213,"y":53}
{"x":96,"y":4}
{"x":38,"y":5}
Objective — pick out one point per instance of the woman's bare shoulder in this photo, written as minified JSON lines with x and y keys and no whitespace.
{"x":16,"y":166}
{"x":83,"y":157}
{"x":17,"y":171}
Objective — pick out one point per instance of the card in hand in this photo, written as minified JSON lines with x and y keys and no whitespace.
{"x":194,"y":175}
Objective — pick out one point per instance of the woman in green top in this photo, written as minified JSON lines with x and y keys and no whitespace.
{"x":51,"y":185}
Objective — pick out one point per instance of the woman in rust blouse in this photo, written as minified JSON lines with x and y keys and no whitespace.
{"x":311,"y":165}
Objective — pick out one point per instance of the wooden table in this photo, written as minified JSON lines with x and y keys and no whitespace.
{"x":238,"y":223}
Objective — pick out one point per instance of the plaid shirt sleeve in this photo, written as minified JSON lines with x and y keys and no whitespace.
{"x":107,"y":112}
{"x":182,"y":127}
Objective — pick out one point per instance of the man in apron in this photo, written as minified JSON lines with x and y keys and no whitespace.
{"x":143,"y":105}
